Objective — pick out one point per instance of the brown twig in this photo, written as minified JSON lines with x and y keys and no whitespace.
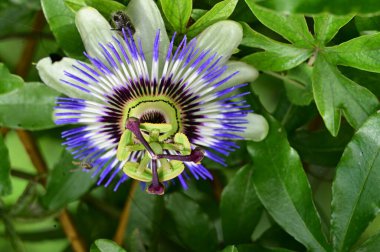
{"x":24,"y":175}
{"x":34,"y":154}
{"x":216,"y":185}
{"x":24,"y":63}
{"x":31,"y":147}
{"x":71,"y":232}
{"x":4,"y":131}
{"x":124,"y":218}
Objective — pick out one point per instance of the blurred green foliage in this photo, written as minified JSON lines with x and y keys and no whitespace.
{"x":311,"y":185}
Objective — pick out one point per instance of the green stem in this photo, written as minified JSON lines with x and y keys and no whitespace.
{"x":285,"y":78}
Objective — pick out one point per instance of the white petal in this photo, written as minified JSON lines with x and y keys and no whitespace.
{"x":257,"y":128}
{"x":51,"y":74}
{"x":246,"y":73}
{"x":93,"y":29}
{"x":146,"y":18}
{"x":222,"y":37}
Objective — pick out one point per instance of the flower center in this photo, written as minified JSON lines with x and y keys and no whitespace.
{"x":155,"y":110}
{"x":162,"y":158}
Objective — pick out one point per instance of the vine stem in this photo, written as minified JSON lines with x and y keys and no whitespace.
{"x":124,"y":218}
{"x":30,"y":145}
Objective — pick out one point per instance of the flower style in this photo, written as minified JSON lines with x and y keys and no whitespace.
{"x":149,"y":109}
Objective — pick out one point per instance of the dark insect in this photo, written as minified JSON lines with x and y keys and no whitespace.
{"x":120,"y":21}
{"x":55,"y":57}
{"x":82,"y":165}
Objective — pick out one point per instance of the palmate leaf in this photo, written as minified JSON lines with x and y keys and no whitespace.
{"x":283,"y":189}
{"x":326,"y":26}
{"x":291,"y":27}
{"x":356,"y":198}
{"x":339,"y":7}
{"x":335,"y":94}
{"x":277,"y":56}
{"x":362,"y":52}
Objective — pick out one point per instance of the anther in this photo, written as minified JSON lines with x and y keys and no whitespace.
{"x":156,"y":187}
{"x":195,"y":156}
{"x":133,"y":124}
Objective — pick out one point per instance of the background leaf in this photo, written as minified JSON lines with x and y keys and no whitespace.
{"x":240,"y":208}
{"x":29,"y":107}
{"x":177,"y":12}
{"x":183,"y":209}
{"x":356,"y":199}
{"x":104,"y":245}
{"x":5,"y":168}
{"x":62,"y":23}
{"x":372,"y":244}
{"x":298,"y":86}
{"x":8,"y":81}
{"x":66,"y":183}
{"x":220,"y":11}
{"x":283,"y":189}
{"x":105,"y":7}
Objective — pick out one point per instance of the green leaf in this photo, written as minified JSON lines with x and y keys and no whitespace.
{"x":8,"y":81}
{"x":29,"y":107}
{"x":104,"y":245}
{"x":177,"y":12}
{"x":339,"y":7}
{"x":369,"y":80}
{"x":256,"y":247}
{"x":197,"y":13}
{"x":291,"y":27}
{"x":283,"y":188}
{"x":367,"y":25}
{"x":326,"y":26}
{"x":231,"y":248}
{"x":62,"y":23}
{"x":372,"y":244}
{"x":335,"y":93}
{"x":277,"y":57}
{"x":220,"y":11}
{"x":361,"y":52}
{"x":66,"y":183}
{"x":5,"y":168}
{"x":105,"y":7}
{"x":145,"y":218}
{"x":356,"y":198}
{"x":193,"y":226}
{"x":298,"y":86}
{"x":319,"y":147}
{"x":240,"y":208}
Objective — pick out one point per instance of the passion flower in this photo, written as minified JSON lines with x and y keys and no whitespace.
{"x":151,"y":110}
